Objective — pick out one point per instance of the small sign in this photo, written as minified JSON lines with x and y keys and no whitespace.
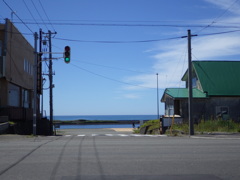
{"x":57,"y":126}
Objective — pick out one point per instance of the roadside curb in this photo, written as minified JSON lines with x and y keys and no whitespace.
{"x":218,"y":136}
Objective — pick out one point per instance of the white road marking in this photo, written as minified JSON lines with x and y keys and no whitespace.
{"x":121,"y":135}
{"x":81,"y":135}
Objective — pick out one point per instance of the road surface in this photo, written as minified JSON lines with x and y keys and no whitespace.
{"x":105,"y":154}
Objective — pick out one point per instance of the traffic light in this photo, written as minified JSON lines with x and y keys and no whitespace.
{"x":67,"y":53}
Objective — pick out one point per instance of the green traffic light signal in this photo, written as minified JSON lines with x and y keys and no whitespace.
{"x":67,"y":54}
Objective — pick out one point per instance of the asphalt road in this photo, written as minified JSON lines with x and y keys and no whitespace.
{"x":108,"y":155}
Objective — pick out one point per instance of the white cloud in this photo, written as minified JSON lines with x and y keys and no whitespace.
{"x":131,"y":96}
{"x":171,"y":59}
{"x":231,"y":5}
{"x":123,"y":95}
{"x":217,"y":47}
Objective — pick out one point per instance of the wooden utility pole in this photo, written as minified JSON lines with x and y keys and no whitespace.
{"x":191,"y":123}
{"x":190,"y":94}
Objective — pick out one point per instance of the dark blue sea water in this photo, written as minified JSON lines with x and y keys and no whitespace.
{"x":98,"y":126}
{"x":103,"y":117}
{"x":106,"y":117}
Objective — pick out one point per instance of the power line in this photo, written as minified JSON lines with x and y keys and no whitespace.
{"x":105,"y":77}
{"x":219,"y":33}
{"x":111,"y":67}
{"x":142,"y":41}
{"x":118,"y":42}
{"x":2,"y":16}
{"x":215,"y":20}
{"x":18,"y":16}
{"x":46,"y":14}
{"x":135,"y":21}
{"x":39,"y":15}
{"x":131,"y":25}
{"x":30,"y":13}
{"x":19,"y":33}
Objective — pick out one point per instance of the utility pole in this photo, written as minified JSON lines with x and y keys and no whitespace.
{"x":35,"y":85}
{"x":40,"y":69}
{"x":50,"y":82}
{"x":50,"y":75}
{"x":190,"y":120}
{"x":191,"y":123}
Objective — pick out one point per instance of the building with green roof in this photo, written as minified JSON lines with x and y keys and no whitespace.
{"x":216,"y":92}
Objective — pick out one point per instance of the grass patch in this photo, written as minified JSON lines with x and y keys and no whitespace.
{"x":217,"y":126}
{"x":181,"y":128}
{"x":154,"y":124}
{"x":136,"y":131}
{"x":210,"y":126}
{"x":202,"y":127}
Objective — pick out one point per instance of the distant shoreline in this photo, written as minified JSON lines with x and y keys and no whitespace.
{"x":95,"y":122}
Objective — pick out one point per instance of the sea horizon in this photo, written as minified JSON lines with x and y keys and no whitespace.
{"x":103,"y":117}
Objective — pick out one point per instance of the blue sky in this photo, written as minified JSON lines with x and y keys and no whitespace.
{"x":120,"y":78}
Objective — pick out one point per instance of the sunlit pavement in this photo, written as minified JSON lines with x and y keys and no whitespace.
{"x":107,"y":154}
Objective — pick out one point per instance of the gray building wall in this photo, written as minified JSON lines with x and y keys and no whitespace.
{"x":18,"y":57}
{"x":16,"y":74}
{"x":212,"y":108}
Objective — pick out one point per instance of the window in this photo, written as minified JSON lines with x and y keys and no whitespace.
{"x":25,"y":98}
{"x":27,"y":66}
{"x":222,"y":110}
{"x":13,"y":95}
{"x":169,"y":110}
{"x":194,"y":82}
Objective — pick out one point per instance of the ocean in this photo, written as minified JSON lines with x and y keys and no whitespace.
{"x":105,"y":117}
{"x":102,"y":117}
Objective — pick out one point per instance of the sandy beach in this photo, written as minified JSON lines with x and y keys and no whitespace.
{"x":122,"y":129}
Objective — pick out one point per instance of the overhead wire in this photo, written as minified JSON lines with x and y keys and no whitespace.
{"x":218,"y":33}
{"x":105,"y":66}
{"x":2,"y":16}
{"x":142,"y":41}
{"x":166,"y":22}
{"x":182,"y":56}
{"x":46,"y":14}
{"x":118,"y":42}
{"x":18,"y":16}
{"x":111,"y":67}
{"x":45,"y":24}
{"x":105,"y":77}
{"x":132,"y":25}
{"x":30,"y":13}
{"x":218,"y":17}
{"x":19,"y":33}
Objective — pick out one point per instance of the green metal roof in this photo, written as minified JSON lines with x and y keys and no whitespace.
{"x":183,"y":93}
{"x":218,"y":78}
